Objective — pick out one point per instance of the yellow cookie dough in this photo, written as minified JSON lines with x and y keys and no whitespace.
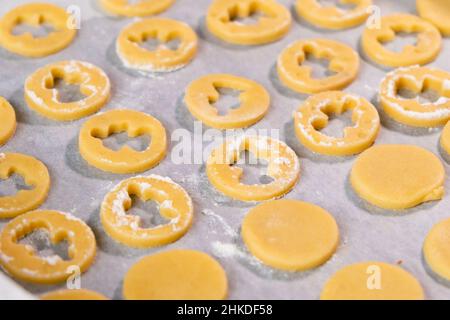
{"x":23,"y":262}
{"x":372,"y":281}
{"x":125,"y":160}
{"x":332,"y":17}
{"x":436,"y":249}
{"x":163,"y":59}
{"x":34,"y":173}
{"x":424,"y":51}
{"x":290,"y":235}
{"x":344,"y":61}
{"x":411,"y":111}
{"x":283,"y":168}
{"x":135,"y":9}
{"x":313,"y":116}
{"x":76,"y":294}
{"x":36,"y":14}
{"x":274,"y":23}
{"x":8,"y":122}
{"x":176,"y":275}
{"x":437,"y":12}
{"x":445,"y":138}
{"x":202,"y":93}
{"x":398,"y":176}
{"x":42,"y":97}
{"x":174,"y":204}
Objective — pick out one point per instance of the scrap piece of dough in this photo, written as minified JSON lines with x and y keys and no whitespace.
{"x":445,"y":138}
{"x":23,"y":262}
{"x":283,"y":167}
{"x":163,"y":58}
{"x":398,"y":176}
{"x":203,"y":92}
{"x":174,"y":204}
{"x":42,"y":97}
{"x":314,"y":114}
{"x":135,"y":9}
{"x":34,"y":173}
{"x":411,"y":111}
{"x":73,"y":294}
{"x":273,"y":24}
{"x":332,"y":17}
{"x":8,"y":122}
{"x":176,"y":275}
{"x":125,"y":160}
{"x":436,"y":249}
{"x":424,"y":51}
{"x":344,"y":61}
{"x":372,"y":281}
{"x":290,"y":235}
{"x":36,"y":14}
{"x":437,"y":12}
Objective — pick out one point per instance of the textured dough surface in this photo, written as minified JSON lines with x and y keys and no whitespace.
{"x":436,"y":249}
{"x":76,"y":294}
{"x":8,"y":121}
{"x":437,"y":12}
{"x":136,"y":8}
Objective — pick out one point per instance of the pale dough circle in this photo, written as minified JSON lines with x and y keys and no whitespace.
{"x":437,"y":12}
{"x":424,"y":51}
{"x":445,"y":138}
{"x":35,"y":14}
{"x":22,"y":261}
{"x":271,"y":26}
{"x":8,"y":122}
{"x":135,"y":9}
{"x":436,"y":249}
{"x":412,"y":112}
{"x":125,"y":160}
{"x":313,"y":116}
{"x":203,"y":92}
{"x":344,"y":61}
{"x":34,"y":173}
{"x":73,"y":294}
{"x":176,"y":275}
{"x":283,"y":167}
{"x":332,"y":17}
{"x":372,"y":281}
{"x":163,"y":58}
{"x":42,"y":97}
{"x":398,"y":176}
{"x":173,"y":202}
{"x":290,"y":235}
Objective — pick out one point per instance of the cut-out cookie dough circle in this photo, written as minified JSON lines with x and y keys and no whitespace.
{"x":424,"y":51}
{"x":23,"y":262}
{"x":42,"y":96}
{"x":436,"y":249}
{"x":398,"y":176}
{"x":283,"y":167}
{"x":332,"y":17}
{"x":135,"y":9}
{"x":34,"y":173}
{"x":372,"y":281}
{"x":36,"y":14}
{"x":290,"y":235}
{"x":73,"y":294}
{"x":445,"y":138}
{"x":344,"y":61}
{"x":412,"y":112}
{"x":314,"y":114}
{"x":176,"y":275}
{"x":163,"y":58}
{"x":437,"y":12}
{"x":8,"y":125}
{"x":203,"y":92}
{"x":174,"y":204}
{"x":273,"y":24}
{"x":126,"y":160}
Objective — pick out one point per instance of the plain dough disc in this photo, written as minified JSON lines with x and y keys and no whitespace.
{"x":436,"y":249}
{"x":68,"y":294}
{"x":437,"y":12}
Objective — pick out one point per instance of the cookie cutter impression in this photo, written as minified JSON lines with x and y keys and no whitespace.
{"x":9,"y":123}
{"x":135,"y":9}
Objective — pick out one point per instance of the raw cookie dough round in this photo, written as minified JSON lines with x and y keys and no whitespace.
{"x":126,"y":160}
{"x":202,"y":93}
{"x":135,"y":9}
{"x":174,"y":205}
{"x":23,"y":262}
{"x":273,"y":24}
{"x":344,"y":61}
{"x":372,"y":281}
{"x":398,"y":176}
{"x":36,"y":14}
{"x":42,"y":96}
{"x":290,"y":235}
{"x":8,"y":122}
{"x":34,"y":173}
{"x":176,"y":275}
{"x":313,"y":116}
{"x":73,"y":294}
{"x":445,"y":138}
{"x":333,"y":17}
{"x":437,"y":12}
{"x":424,"y":51}
{"x":436,"y":249}
{"x":163,"y":58}
{"x":283,"y":167}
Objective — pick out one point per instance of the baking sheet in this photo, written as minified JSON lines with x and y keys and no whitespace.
{"x":366,"y":234}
